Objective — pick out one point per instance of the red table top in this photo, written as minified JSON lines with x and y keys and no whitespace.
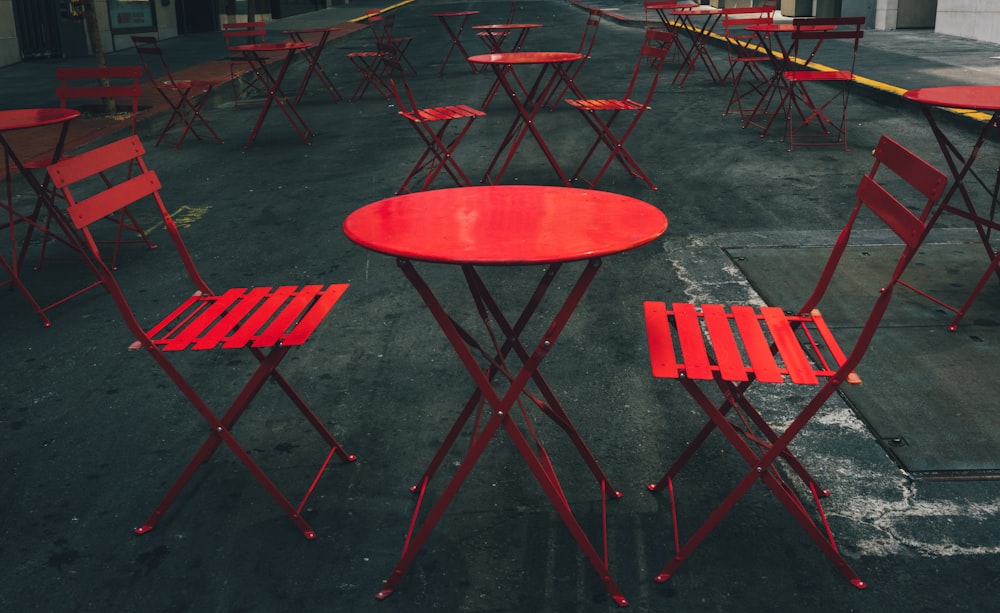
{"x":526,"y":57}
{"x":455,"y":14}
{"x":787,"y":27}
{"x":505,"y":225}
{"x":698,"y":10}
{"x":285,"y":46}
{"x":976,"y":97}
{"x":662,"y":6}
{"x":508,"y":26}
{"x":32,"y":118}
{"x":311,"y":30}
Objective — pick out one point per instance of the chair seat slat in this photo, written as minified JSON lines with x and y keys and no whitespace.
{"x":209,"y":309}
{"x":256,"y":321}
{"x":692,"y":342}
{"x":661,"y":344}
{"x":311,"y":320}
{"x":757,"y":346}
{"x":795,"y":359}
{"x":724,"y":345}
{"x":277,"y":329}
{"x":230,"y":320}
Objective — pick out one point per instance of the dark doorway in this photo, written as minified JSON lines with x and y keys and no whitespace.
{"x":194,"y":16}
{"x":37,"y":26}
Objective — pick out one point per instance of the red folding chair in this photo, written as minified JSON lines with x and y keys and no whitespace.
{"x":749,"y":69}
{"x":242,"y":75}
{"x":369,"y":62}
{"x":267,"y":321}
{"x":432,"y":125}
{"x":186,"y":97}
{"x":585,"y":48}
{"x":734,"y":347}
{"x":100,"y":83}
{"x":602,"y":113}
{"x":382,"y":26}
{"x":806,"y":115}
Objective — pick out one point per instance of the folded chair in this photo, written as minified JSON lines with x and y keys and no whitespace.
{"x":241,"y":72}
{"x":265,"y":321}
{"x":96,"y":84}
{"x":749,"y":70}
{"x":733,"y":347}
{"x":186,"y":97}
{"x":585,"y":47}
{"x":602,"y":113}
{"x":432,"y":124}
{"x":807,"y":121}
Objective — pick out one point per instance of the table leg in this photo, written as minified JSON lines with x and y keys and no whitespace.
{"x":527,"y":109}
{"x":699,"y":36}
{"x":456,"y":42}
{"x":500,"y":415}
{"x":43,"y":202}
{"x":313,"y":67}
{"x":275,"y":94}
{"x":961,"y":167}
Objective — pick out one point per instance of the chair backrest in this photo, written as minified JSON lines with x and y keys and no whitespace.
{"x":103,"y":181}
{"x":652,"y":54}
{"x":153,"y":60}
{"x":910,"y":229}
{"x":115,"y":82}
{"x":841,"y":28}
{"x":735,"y":21}
{"x":244,"y":33}
{"x":589,"y":32}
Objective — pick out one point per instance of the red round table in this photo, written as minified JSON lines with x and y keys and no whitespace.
{"x":476,"y":227}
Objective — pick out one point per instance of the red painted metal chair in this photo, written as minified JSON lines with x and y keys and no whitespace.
{"x":382,"y":26}
{"x":586,"y":46}
{"x":100,"y":82}
{"x":808,"y":123}
{"x":186,"y":97}
{"x":602,"y":113}
{"x":242,"y":75}
{"x":264,"y":320}
{"x":733,"y":347}
{"x":369,"y":62}
{"x":432,"y":124}
{"x":749,"y":70}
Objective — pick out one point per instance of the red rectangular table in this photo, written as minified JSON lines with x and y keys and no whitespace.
{"x":476,"y":227}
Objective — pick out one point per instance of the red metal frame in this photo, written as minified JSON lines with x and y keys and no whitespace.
{"x":121,"y":82}
{"x":585,"y":48}
{"x":699,"y":35}
{"x":804,"y":114}
{"x":528,"y":101}
{"x":257,"y":56}
{"x":962,"y":167}
{"x":243,"y":33}
{"x":715,"y":343}
{"x":22,"y":119}
{"x":439,"y":153}
{"x":455,"y":35}
{"x":312,"y":55}
{"x":476,"y":227}
{"x":266,"y":321}
{"x":651,"y":58}
{"x":744,"y":59}
{"x":186,"y":97}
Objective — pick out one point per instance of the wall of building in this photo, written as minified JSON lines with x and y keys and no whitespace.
{"x":975,"y":19}
{"x":10,"y":53}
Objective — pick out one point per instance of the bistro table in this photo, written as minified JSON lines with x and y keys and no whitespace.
{"x":782,"y":57}
{"x":26,"y":119}
{"x":312,"y":55}
{"x":699,"y":34}
{"x":981,"y":98}
{"x":255,"y":55}
{"x":494,"y":35}
{"x":527,"y":100}
{"x":477,"y":227}
{"x":454,"y":34}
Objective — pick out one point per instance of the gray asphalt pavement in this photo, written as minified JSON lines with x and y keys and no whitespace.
{"x":91,"y":434}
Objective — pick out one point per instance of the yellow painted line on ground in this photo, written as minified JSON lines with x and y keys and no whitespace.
{"x":184,"y":217}
{"x":385,"y":10}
